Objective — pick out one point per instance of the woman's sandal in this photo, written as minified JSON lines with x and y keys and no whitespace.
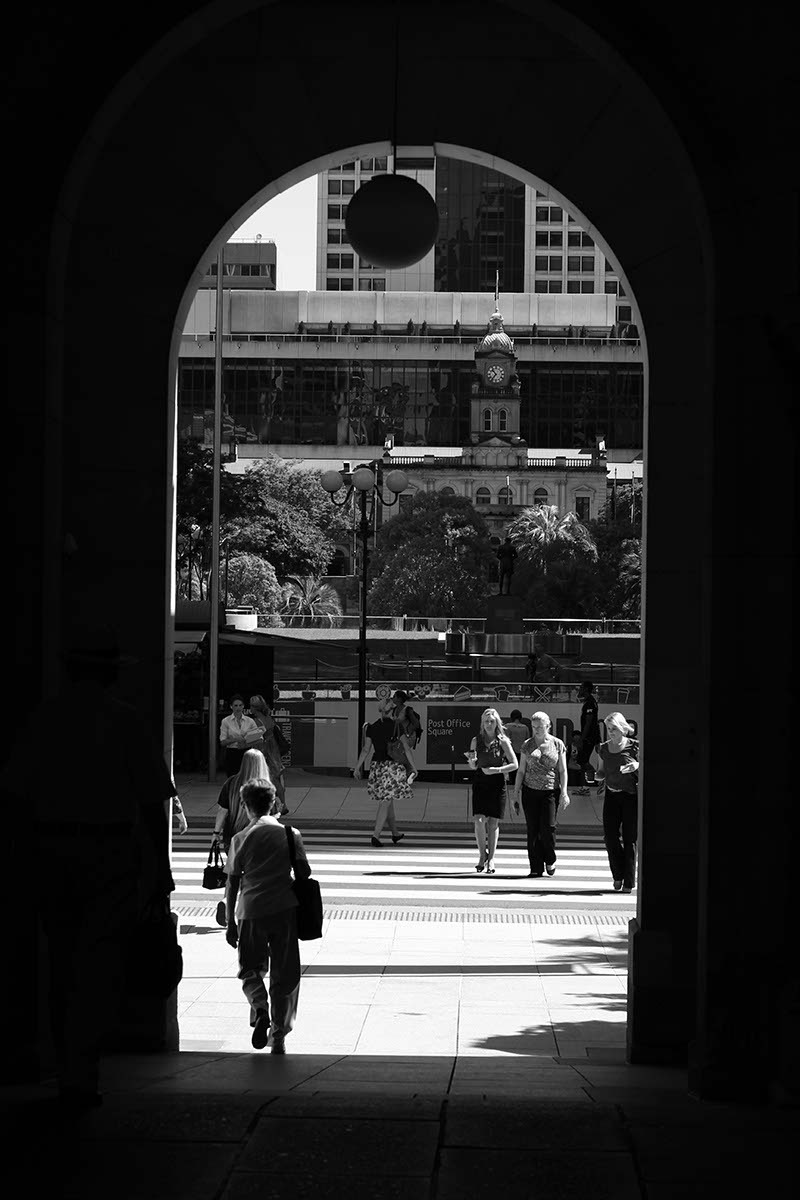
{"x":480,"y":867}
{"x":489,"y":869}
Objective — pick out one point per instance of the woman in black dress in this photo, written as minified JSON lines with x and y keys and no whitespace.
{"x":491,"y":756}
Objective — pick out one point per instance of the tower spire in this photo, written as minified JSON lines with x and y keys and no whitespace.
{"x":497,"y":288}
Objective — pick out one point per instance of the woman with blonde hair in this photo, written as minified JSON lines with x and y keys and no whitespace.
{"x":272,"y":745}
{"x":491,"y":756}
{"x":616,"y":764}
{"x":541,"y":784}
{"x":232,"y":815}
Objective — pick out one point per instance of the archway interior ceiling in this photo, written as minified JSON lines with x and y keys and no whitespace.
{"x":531,"y":100}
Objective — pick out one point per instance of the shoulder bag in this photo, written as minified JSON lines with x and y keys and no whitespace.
{"x":214,"y":875}
{"x":309,"y":899}
{"x":395,"y":748}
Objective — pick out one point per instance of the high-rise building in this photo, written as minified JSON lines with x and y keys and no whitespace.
{"x":248,"y":264}
{"x":489,"y":223}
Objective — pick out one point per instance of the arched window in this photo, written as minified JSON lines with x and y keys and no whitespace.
{"x":447,"y":491}
{"x":502,"y":420}
{"x":505,"y":496}
{"x":540,"y":496}
{"x":487,"y":420}
{"x":483,"y":496}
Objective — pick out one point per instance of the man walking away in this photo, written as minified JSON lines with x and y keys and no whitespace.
{"x":262,"y":922}
{"x":590,"y":729}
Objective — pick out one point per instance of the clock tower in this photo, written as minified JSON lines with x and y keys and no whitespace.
{"x":494,"y":409}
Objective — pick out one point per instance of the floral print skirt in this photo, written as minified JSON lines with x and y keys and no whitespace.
{"x":388,"y":781}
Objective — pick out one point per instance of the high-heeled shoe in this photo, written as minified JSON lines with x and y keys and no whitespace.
{"x":396,"y":837}
{"x":489,"y":869}
{"x":373,"y":841}
{"x":480,"y":867}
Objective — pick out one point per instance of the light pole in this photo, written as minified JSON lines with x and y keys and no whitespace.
{"x":368,"y":480}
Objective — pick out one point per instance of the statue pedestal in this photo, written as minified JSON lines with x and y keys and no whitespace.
{"x":504,"y":615}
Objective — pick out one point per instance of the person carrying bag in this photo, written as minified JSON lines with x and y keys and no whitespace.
{"x":309,"y":898}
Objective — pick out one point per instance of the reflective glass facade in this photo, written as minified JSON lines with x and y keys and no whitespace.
{"x":481,"y":229}
{"x":348,"y":403}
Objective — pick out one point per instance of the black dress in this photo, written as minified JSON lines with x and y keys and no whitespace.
{"x":489,"y":791}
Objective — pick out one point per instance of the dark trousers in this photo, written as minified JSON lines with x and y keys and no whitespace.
{"x":584,"y":754}
{"x":620,"y":831}
{"x":233,"y":760}
{"x":540,"y":810}
{"x":505,"y":576}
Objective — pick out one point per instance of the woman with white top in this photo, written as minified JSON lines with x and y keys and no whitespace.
{"x":616,"y":764}
{"x":541,"y":784}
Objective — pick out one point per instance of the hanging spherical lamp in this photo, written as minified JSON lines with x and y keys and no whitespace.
{"x":392,"y":221}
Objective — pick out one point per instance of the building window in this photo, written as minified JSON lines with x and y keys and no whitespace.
{"x":612,"y":286}
{"x":554,"y":238}
{"x":587,"y":239}
{"x":556,"y":215}
{"x":540,"y":262}
{"x":554,"y":285}
{"x":348,"y":187}
{"x":340,"y":262}
{"x":540,"y":496}
{"x":624,"y":312}
{"x":573,"y":285}
{"x":583,"y":508}
{"x":587,"y":263}
{"x":556,"y":261}
{"x":502,"y":421}
{"x":542,"y":212}
{"x":540,"y":285}
{"x":573,"y":262}
{"x":347,"y":284}
{"x":379,"y":285}
{"x":332,"y":284}
{"x":587,"y":286}
{"x":483,"y":496}
{"x":372,"y":285}
{"x":334,"y":187}
{"x":505,"y":496}
{"x":487,"y":420}
{"x":447,"y":491}
{"x":334,"y":237}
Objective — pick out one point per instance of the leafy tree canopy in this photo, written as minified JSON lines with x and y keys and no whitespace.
{"x":432,"y":559}
{"x":251,"y":580}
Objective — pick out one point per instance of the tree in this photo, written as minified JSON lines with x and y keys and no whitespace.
{"x":433,"y":559}
{"x":307,"y":597}
{"x":251,"y":581}
{"x":287,"y":537}
{"x":544,"y":539}
{"x":275,"y":511}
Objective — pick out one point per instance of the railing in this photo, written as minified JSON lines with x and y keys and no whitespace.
{"x":398,"y":339}
{"x":405,"y":624}
{"x":606,"y":692}
{"x":444,"y":460}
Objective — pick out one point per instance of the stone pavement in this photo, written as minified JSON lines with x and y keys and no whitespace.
{"x":437,"y":1056}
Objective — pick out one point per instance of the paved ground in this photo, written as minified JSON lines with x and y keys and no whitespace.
{"x":464,"y":1053}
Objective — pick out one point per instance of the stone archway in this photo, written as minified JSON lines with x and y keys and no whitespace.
{"x":180,"y":169}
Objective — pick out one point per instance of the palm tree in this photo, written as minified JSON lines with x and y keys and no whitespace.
{"x":307,"y":597}
{"x":630,"y":579}
{"x":543,"y":538}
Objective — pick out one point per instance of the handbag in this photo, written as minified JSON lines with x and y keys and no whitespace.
{"x":309,"y":899}
{"x":395,"y":748}
{"x":153,"y":956}
{"x":214,"y":875}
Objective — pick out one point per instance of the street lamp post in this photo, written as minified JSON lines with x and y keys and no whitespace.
{"x":368,"y":480}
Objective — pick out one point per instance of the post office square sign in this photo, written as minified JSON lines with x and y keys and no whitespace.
{"x":451,"y":725}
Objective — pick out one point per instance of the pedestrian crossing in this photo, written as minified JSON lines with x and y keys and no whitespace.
{"x":429,"y":867}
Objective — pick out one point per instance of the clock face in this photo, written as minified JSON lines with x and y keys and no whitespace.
{"x":495,"y":373}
